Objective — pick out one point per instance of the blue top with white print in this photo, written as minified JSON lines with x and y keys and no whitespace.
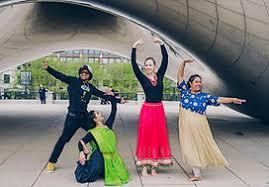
{"x":197,"y":102}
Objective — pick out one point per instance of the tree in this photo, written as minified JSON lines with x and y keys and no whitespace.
{"x":119,"y":76}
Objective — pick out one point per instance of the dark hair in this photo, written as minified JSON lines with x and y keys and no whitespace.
{"x":91,"y":116}
{"x":87,"y":68}
{"x":192,"y":78}
{"x":150,"y":58}
{"x":116,"y":93}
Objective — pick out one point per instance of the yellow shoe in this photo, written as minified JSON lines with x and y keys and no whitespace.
{"x":51,"y":167}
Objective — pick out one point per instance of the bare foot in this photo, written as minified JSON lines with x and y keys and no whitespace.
{"x":194,"y":178}
{"x":144,"y":172}
{"x":153,"y":172}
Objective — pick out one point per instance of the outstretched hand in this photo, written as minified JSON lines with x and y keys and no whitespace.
{"x":239,"y":101}
{"x":137,"y":43}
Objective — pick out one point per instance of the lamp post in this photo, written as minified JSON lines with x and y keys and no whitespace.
{"x":26,"y":78}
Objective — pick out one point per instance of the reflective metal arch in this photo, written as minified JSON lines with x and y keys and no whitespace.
{"x":231,"y":36}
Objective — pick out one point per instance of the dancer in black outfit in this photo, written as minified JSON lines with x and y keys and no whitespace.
{"x":152,"y":143}
{"x":80,"y":91}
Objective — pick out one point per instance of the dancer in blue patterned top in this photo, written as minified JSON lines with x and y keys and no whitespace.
{"x":198,"y":146}
{"x":196,"y":102}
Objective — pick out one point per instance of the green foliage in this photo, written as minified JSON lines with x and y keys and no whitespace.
{"x":40,"y":76}
{"x":119,"y":76}
{"x":169,"y":86}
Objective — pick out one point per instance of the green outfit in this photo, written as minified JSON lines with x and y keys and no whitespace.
{"x":115,"y":170}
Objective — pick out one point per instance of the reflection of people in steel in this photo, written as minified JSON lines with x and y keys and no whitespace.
{"x":42,"y":94}
{"x":80,"y":91}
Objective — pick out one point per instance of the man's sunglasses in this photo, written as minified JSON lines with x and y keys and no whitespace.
{"x":86,"y":72}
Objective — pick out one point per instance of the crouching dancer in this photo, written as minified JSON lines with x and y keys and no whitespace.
{"x":104,"y":160}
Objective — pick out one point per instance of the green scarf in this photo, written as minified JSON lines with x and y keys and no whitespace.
{"x":115,"y":170}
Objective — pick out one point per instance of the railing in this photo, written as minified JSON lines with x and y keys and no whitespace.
{"x":64,"y":96}
{"x":171,"y":97}
{"x":128,"y":96}
{"x":21,"y":95}
{"x":17,"y":95}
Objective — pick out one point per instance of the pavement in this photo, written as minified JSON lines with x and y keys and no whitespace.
{"x":28,"y":133}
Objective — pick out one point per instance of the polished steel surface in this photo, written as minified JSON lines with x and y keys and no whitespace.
{"x":229,"y":36}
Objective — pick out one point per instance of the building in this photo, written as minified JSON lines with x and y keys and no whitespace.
{"x":7,"y":77}
{"x":88,"y":56}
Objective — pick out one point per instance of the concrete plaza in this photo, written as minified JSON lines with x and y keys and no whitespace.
{"x":28,"y":132}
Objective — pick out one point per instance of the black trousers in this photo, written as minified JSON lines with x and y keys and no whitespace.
{"x":92,"y":169}
{"x":73,"y":122}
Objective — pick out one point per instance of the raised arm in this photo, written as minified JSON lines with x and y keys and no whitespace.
{"x":109,"y":122}
{"x":180,"y":73}
{"x":163,"y":67}
{"x":226,"y":100}
{"x":164,"y":63}
{"x":64,"y":78}
{"x":139,"y":75}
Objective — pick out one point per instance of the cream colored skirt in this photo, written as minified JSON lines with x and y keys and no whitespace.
{"x":198,"y":146}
